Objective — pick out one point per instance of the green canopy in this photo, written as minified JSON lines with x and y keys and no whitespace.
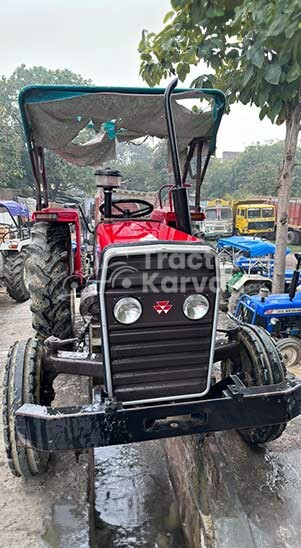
{"x":54,"y":117}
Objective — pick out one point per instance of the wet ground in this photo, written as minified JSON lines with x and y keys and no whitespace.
{"x":135,"y":504}
{"x":51,"y":511}
{"x":257,"y":495}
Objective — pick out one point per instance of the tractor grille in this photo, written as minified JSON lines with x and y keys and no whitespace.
{"x":162,"y":355}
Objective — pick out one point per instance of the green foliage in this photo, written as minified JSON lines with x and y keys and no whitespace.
{"x":253,"y":172}
{"x":252,"y":48}
{"x":15,"y":169}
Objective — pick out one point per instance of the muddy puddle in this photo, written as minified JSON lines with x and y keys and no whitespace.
{"x":66,"y":529}
{"x":135,"y":504}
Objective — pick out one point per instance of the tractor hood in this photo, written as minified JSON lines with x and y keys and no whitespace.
{"x":276,"y":304}
{"x":125,"y":232}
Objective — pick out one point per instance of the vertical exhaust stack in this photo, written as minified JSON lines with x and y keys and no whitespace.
{"x":183,"y":220}
{"x":295,"y":278}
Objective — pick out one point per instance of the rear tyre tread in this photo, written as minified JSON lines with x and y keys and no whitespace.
{"x":14,"y":276}
{"x":49,"y":273}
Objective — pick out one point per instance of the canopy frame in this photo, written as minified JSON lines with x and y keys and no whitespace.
{"x":36,"y":94}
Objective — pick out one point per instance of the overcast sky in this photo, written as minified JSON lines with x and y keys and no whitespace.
{"x":98,"y":39}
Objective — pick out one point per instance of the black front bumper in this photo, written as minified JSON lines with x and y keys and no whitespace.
{"x":229,"y":405}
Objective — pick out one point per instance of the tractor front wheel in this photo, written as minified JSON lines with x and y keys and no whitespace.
{"x":16,"y":275}
{"x":290,"y":349}
{"x":50,"y":270}
{"x":260,"y":364}
{"x":22,"y":384}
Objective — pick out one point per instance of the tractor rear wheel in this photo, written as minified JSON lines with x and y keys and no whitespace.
{"x":22,"y":384}
{"x":290,"y":349}
{"x":261,"y":364}
{"x":16,"y":275}
{"x":50,"y":269}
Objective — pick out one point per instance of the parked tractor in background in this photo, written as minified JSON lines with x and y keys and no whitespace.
{"x":279,"y":314}
{"x":247,"y":265}
{"x":254,"y":217}
{"x":14,"y":242}
{"x":149,"y":309}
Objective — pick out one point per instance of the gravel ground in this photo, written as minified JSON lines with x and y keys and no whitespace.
{"x":50,"y":511}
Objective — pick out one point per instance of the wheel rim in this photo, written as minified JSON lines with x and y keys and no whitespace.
{"x":290,"y":355}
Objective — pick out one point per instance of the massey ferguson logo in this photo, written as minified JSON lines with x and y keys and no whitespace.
{"x":162,"y":306}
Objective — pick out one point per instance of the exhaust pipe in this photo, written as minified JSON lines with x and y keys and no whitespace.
{"x":179,"y":193}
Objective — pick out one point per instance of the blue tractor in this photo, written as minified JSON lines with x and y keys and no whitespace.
{"x":279,"y":314}
{"x":247,"y":265}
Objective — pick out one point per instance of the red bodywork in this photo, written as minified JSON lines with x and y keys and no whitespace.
{"x":70,"y":216}
{"x":129,"y":231}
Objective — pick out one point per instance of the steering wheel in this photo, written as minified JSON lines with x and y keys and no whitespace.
{"x":125,"y":213}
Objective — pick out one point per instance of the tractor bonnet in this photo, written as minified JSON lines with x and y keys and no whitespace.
{"x":54,"y":116}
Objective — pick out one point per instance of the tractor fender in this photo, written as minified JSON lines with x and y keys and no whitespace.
{"x":247,"y":278}
{"x":23,"y":243}
{"x":14,"y":245}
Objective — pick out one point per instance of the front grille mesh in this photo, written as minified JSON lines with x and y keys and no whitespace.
{"x":163,"y":355}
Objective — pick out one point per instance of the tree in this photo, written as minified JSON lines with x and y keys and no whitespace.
{"x":144,"y":167}
{"x":252,"y":173}
{"x":15,"y":168}
{"x":253,"y":51}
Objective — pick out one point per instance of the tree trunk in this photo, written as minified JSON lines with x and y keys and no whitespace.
{"x":284,"y":192}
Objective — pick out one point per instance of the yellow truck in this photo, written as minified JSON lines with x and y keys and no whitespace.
{"x":254,"y":216}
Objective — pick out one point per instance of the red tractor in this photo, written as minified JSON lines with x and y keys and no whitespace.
{"x":150,"y":307}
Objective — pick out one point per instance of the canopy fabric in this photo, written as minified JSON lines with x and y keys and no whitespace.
{"x":14,"y":208}
{"x":54,"y":117}
{"x":255,"y":247}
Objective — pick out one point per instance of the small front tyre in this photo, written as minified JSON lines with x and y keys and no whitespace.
{"x":290,"y":349}
{"x":260,"y":364}
{"x":22,"y":384}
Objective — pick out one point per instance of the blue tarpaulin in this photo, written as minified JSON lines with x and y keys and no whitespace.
{"x":255,"y":247}
{"x":15,"y":209}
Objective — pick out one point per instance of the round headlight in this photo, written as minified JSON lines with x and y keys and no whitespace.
{"x":127,"y":310}
{"x":195,"y":307}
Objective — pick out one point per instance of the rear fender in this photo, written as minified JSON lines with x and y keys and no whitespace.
{"x":70,"y":216}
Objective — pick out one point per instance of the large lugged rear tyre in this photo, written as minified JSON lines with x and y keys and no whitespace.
{"x":15,"y":275}
{"x":261,"y":364}
{"x":22,"y":384}
{"x":49,"y":269}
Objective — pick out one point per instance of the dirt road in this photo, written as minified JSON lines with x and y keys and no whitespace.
{"x":51,"y":512}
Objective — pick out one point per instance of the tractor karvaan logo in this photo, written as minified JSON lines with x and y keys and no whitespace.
{"x":162,"y":306}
